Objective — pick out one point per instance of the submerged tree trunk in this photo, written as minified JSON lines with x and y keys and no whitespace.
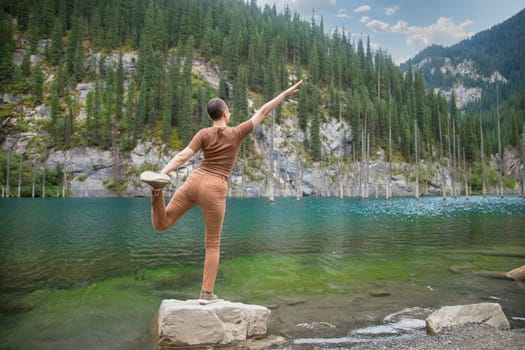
{"x":298,"y":172}
{"x":340,"y":162}
{"x":441,"y":161}
{"x":500,"y":151}
{"x":270,"y":176}
{"x":465,"y":173}
{"x":522,"y":169}
{"x":367,"y":169}
{"x":389,"y":181}
{"x":482,"y":153}
{"x":115,"y":168}
{"x":8,"y":173}
{"x":417,"y":161}
{"x":33,"y":181}
{"x":19,"y":191}
{"x":454,"y":163}
{"x":44,"y":181}
{"x":450,"y":161}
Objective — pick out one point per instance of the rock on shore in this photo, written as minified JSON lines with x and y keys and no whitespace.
{"x":187,"y":323}
{"x":490,"y":314}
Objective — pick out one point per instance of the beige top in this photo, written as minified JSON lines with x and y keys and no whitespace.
{"x":220,"y":146}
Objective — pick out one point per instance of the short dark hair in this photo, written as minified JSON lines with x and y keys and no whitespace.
{"x":216,"y":108}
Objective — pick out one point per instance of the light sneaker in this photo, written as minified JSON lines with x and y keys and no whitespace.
{"x":208,"y":298}
{"x":155,"y":180}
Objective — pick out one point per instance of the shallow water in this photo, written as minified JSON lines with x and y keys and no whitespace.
{"x":90,"y":273}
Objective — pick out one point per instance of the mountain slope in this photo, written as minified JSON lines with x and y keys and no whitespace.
{"x":472,"y":66}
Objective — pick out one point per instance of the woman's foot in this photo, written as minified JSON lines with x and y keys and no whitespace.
{"x":207,"y":298}
{"x":156,"y":180}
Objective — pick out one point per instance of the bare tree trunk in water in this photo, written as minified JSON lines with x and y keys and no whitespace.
{"x":500,"y":151}
{"x":454,"y":163}
{"x":389,"y":182}
{"x":33,"y":181}
{"x":482,"y":153}
{"x":367,"y":169}
{"x":19,"y":192}
{"x":298,"y":172}
{"x":361,"y":165}
{"x":340,"y":163}
{"x":443,"y":179}
{"x":450,"y":161}
{"x":522,"y":169}
{"x":270,"y":177}
{"x":8,"y":173}
{"x":465,"y":173}
{"x":417,"y":161}
{"x":44,"y":180}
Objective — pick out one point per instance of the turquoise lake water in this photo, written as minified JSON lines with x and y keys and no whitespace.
{"x":90,"y":273}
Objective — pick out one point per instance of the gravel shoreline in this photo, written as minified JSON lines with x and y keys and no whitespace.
{"x":466,"y":337}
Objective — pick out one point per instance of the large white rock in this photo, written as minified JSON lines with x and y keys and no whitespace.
{"x":450,"y":316}
{"x":185,"y":323}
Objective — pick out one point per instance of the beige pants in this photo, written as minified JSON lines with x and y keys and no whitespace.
{"x":209,"y":192}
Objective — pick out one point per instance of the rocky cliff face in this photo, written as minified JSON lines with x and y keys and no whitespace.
{"x":93,"y":172}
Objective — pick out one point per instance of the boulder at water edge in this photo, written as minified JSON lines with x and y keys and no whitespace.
{"x":187,"y":323}
{"x":450,"y":316}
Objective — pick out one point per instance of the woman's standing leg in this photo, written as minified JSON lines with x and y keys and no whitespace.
{"x":213,"y":205}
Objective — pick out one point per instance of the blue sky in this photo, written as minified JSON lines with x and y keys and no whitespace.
{"x":405,"y":27}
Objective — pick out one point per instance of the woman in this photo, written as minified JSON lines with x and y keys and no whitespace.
{"x":207,"y":185}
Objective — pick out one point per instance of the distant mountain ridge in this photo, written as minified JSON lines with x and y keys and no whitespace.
{"x":471,"y":67}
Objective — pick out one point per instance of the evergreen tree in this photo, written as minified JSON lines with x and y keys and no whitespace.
{"x":127,"y":121}
{"x":91,"y":123}
{"x":119,"y":88}
{"x":302,"y":108}
{"x":223,"y":91}
{"x":78,"y":65}
{"x":175,"y":78}
{"x":69,"y":122}
{"x":54,"y":126}
{"x":151,"y":63}
{"x":166,"y":111}
{"x":7,"y":47}
{"x":34,"y":33}
{"x":240,"y":98}
{"x":38,"y":83}
{"x":186,"y":116}
{"x":72,"y":44}
{"x":46,"y":16}
{"x":55,"y":50}
{"x":315,"y":140}
{"x":96,"y":30}
{"x":26,"y":63}
{"x":22,"y":16}
{"x":140,"y":113}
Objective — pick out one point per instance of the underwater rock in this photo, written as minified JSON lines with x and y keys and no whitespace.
{"x":517,"y":274}
{"x":380,"y":293}
{"x":188,"y":323}
{"x":452,"y":316}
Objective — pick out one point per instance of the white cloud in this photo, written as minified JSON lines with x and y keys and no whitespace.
{"x":363,"y":8}
{"x":389,"y":11}
{"x":443,"y":32}
{"x":365,"y":19}
{"x":342,"y":13}
{"x":378,"y":26}
{"x":303,"y":7}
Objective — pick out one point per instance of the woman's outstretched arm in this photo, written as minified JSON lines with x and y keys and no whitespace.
{"x":269,"y":106}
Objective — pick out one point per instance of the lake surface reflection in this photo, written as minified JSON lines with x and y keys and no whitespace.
{"x":90,"y":273}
